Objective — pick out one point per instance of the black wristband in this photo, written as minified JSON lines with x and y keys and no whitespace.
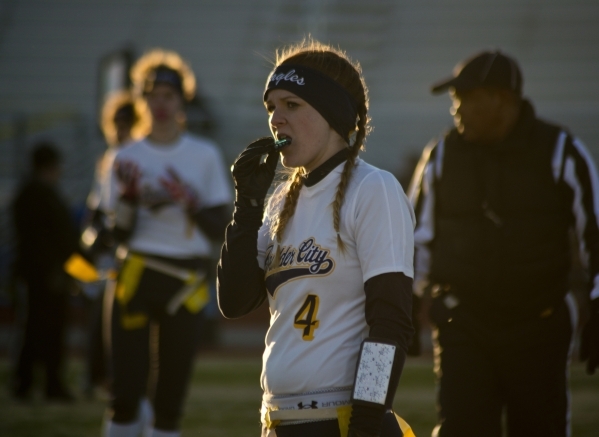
{"x":244,"y":201}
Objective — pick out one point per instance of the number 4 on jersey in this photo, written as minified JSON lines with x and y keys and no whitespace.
{"x":305,"y":318}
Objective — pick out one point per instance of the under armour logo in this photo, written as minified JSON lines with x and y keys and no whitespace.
{"x":312,"y":405}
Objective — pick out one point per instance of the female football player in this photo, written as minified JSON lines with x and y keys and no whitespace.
{"x":169,"y":198}
{"x":331,"y":251}
{"x":124,"y":120}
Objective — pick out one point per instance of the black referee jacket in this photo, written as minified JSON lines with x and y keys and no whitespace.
{"x":494,"y":221}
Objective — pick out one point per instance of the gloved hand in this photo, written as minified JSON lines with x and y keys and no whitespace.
{"x":356,"y":433}
{"x":253,"y":177}
{"x":441,"y":309}
{"x":128,"y":175}
{"x":589,"y":344}
{"x":180,"y":191}
{"x":125,"y":214}
{"x":366,"y":421}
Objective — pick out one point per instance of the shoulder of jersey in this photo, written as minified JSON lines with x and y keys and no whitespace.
{"x":365,"y":173}
{"x":129,"y":148}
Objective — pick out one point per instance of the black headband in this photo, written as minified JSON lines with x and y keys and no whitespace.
{"x":164,"y":75}
{"x":324,"y":94}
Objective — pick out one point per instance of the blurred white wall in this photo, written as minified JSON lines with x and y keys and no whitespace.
{"x":49,"y":54}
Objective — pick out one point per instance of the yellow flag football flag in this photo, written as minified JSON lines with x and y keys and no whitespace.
{"x":81,"y":269}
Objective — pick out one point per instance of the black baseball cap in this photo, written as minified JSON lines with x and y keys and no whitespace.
{"x":485,"y":69}
{"x":164,"y":75}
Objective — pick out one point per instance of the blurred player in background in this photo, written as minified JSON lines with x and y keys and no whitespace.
{"x":333,"y":256}
{"x":124,"y":119}
{"x":45,"y":237}
{"x":169,"y":196}
{"x":496,"y":199}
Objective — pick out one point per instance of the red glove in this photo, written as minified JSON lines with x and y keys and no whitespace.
{"x":181,"y":192}
{"x":128,"y":175}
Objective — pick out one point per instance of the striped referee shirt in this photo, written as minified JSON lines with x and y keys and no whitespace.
{"x":572,"y":165}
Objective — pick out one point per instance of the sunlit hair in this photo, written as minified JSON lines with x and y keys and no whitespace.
{"x":140,"y":122}
{"x":338,"y":66}
{"x":167,"y":58}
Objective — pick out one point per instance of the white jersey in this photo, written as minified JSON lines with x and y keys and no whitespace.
{"x":316,"y":293}
{"x":105,"y":177}
{"x":162,"y":226}
{"x":99,"y":194}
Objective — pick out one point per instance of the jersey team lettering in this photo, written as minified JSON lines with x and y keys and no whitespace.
{"x":308,"y":259}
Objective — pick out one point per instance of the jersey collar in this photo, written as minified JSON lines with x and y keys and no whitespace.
{"x":320,"y":172}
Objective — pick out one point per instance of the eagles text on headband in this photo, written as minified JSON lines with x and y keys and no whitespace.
{"x":324,"y":94}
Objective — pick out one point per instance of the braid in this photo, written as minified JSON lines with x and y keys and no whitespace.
{"x":347,"y":172}
{"x":280,"y":223}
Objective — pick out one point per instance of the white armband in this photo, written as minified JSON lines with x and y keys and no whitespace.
{"x":373,"y":372}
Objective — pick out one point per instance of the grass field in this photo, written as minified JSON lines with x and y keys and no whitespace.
{"x":225,"y":397}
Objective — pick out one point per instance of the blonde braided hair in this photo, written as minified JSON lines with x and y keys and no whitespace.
{"x":348,"y":169}
{"x":337,"y":65}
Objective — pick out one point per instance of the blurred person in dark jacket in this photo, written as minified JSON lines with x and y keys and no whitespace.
{"x":496,"y":199}
{"x":45,"y":237}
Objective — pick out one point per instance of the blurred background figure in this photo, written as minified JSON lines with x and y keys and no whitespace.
{"x":124,"y":119}
{"x":168,"y":198}
{"x":45,"y":236}
{"x":497,"y":198}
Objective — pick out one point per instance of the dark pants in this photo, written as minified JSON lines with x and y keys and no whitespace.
{"x":518,"y":369}
{"x":330,"y":428}
{"x":43,"y":339}
{"x":134,"y":351}
{"x":96,"y":356}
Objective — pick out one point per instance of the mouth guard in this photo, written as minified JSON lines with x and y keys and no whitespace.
{"x":282,"y":143}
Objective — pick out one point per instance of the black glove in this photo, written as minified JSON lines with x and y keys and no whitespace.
{"x":390,"y":426}
{"x":589,"y":342}
{"x":356,"y":433}
{"x":443,"y":302}
{"x":252,"y":177}
{"x":366,"y":421}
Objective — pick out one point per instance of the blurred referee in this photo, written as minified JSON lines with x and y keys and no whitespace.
{"x":496,"y":199}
